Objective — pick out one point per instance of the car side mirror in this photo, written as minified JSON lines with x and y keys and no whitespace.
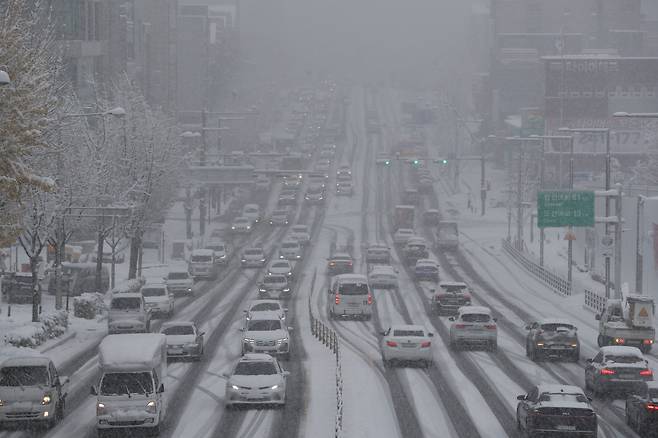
{"x":161,"y":388}
{"x":382,"y":333}
{"x":241,"y":329}
{"x":285,"y":373}
{"x":431,"y":335}
{"x":93,"y":390}
{"x":291,"y":329}
{"x":597,"y":317}
{"x":589,"y":360}
{"x":521,"y":397}
{"x":202,"y":333}
{"x":452,"y":318}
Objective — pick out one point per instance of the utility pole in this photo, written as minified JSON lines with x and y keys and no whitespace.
{"x":570,"y":241}
{"x":639,"y":259}
{"x":618,"y":231}
{"x":519,"y":202}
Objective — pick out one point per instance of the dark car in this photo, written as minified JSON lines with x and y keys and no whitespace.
{"x":617,"y":368}
{"x":340,"y":263}
{"x":450,"y":297}
{"x":552,"y":338}
{"x":642,"y":410}
{"x":556,"y":410}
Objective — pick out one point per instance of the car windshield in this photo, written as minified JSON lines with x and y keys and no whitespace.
{"x":454,"y":288}
{"x":280,"y":265}
{"x":274,"y":280}
{"x":201,"y":259}
{"x":126,"y":384}
{"x":250,"y":210}
{"x":255,"y":252}
{"x":178,"y":330}
{"x":353,"y":289}
{"x":298,"y":229}
{"x":476,"y":317}
{"x":263,"y":307}
{"x":255,"y":369}
{"x":264,"y":325}
{"x":556,"y":327}
{"x":408,"y":333}
{"x":215,"y":247}
{"x":242,"y":221}
{"x":619,"y":358}
{"x":153,"y":292}
{"x":279,"y":213}
{"x":178,"y":276}
{"x":126,"y":303}
{"x":24,"y":376}
{"x":563,"y":397}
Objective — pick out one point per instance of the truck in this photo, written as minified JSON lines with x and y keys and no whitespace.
{"x":404,"y":216}
{"x":447,"y":235}
{"x":31,"y":390}
{"x":628,"y":321}
{"x":128,"y":314}
{"x":131,"y":393}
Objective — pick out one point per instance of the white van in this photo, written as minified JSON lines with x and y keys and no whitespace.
{"x":131,"y":393}
{"x":203,"y":265}
{"x":350,"y":297}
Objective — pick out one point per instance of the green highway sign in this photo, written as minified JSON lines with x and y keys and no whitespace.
{"x":565,"y":208}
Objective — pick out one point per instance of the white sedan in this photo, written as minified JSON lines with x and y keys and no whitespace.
{"x":258,"y":306}
{"x":406,"y":343}
{"x":383,"y":277}
{"x":280,"y":267}
{"x":241,"y":225}
{"x":256,"y":379}
{"x":401,"y":236}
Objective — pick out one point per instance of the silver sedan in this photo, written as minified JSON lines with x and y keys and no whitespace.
{"x":406,"y":343}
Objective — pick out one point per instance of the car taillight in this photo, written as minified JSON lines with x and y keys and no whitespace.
{"x":647,"y":341}
{"x":651,"y":407}
{"x":391,"y":344}
{"x":337,"y":299}
{"x":332,"y":263}
{"x":467,"y":297}
{"x":460,"y":326}
{"x":369,"y":299}
{"x":646,"y":373}
{"x":349,"y":263}
{"x":619,"y":341}
{"x":490,"y":326}
{"x":425,"y":344}
{"x":607,"y":372}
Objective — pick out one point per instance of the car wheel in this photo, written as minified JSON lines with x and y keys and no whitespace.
{"x":575,"y":357}
{"x":102,"y":433}
{"x":59,"y":413}
{"x":285,"y":356}
{"x":645,"y":348}
{"x":600,"y":340}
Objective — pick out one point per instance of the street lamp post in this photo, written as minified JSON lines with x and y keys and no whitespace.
{"x":608,"y":167}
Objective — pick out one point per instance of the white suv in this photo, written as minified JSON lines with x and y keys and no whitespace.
{"x":265,"y":332}
{"x":290,"y":250}
{"x":157,"y":298}
{"x":474,"y":325}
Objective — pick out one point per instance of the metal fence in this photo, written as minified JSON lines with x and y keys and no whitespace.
{"x":553,"y":280}
{"x":329,"y":338}
{"x":594,"y":301}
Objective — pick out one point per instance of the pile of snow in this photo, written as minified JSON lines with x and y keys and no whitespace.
{"x":88,"y":305}
{"x":129,"y":286}
{"x":132,"y":351}
{"x":52,"y":325}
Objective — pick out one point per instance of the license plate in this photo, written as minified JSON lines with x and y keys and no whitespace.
{"x":409,"y":345}
{"x":176,"y":351}
{"x":627,"y":376}
{"x":565,"y":427}
{"x":557,"y":347}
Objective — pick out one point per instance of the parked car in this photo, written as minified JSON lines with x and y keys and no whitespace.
{"x":617,"y":368}
{"x":31,"y":391}
{"x":253,"y":258}
{"x":274,"y":286}
{"x":340,"y":263}
{"x":256,"y":379}
{"x":158,"y":299}
{"x":265,"y":305}
{"x":427,"y":270}
{"x":401,"y":236}
{"x":383,"y":277}
{"x":406,"y":343}
{"x":350,"y":297}
{"x":450,"y":296}
{"x":378,"y":253}
{"x":474,"y":325}
{"x":552,"y":338}
{"x":642,"y":410}
{"x":556,"y":410}
{"x":184,"y":339}
{"x":265,"y":332}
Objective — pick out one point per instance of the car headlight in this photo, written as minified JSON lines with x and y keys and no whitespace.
{"x":248,"y":227}
{"x":286,"y":289}
{"x":243,"y":260}
{"x":233,"y":227}
{"x":248,"y":340}
{"x":46,"y":399}
{"x":100,"y":408}
{"x":262,"y":260}
{"x":192,"y":345}
{"x":189,"y":289}
{"x":282,"y":341}
{"x":262,"y":289}
{"x":234,"y":387}
{"x":151,"y":407}
{"x":274,"y":387}
{"x":223,"y":256}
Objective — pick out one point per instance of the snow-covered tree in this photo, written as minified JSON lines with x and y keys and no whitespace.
{"x":28,"y":55}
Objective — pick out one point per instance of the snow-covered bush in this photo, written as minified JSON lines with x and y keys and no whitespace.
{"x":129,"y":286}
{"x":88,"y":305}
{"x":52,"y":325}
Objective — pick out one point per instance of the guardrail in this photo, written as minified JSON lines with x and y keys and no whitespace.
{"x":553,"y":280}
{"x":330,"y":339}
{"x":594,"y":301}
